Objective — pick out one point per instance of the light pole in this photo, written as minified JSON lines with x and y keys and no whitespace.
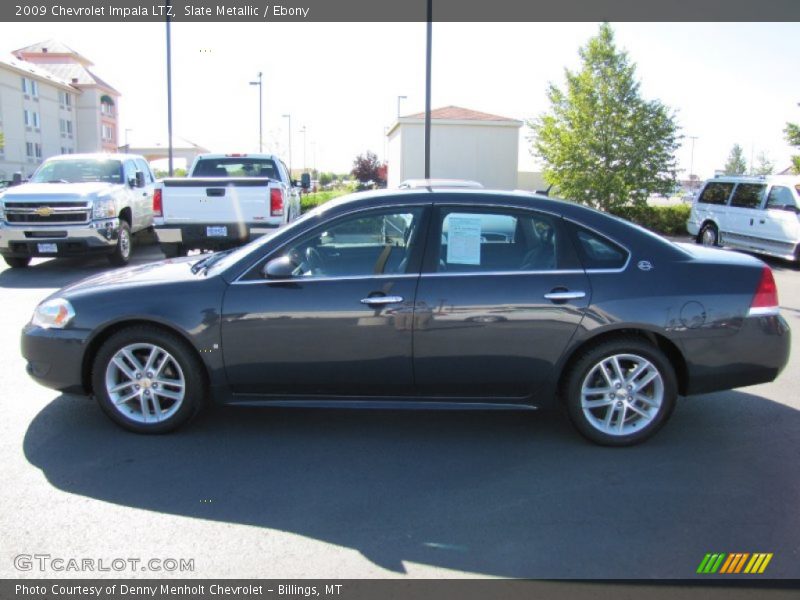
{"x":399,"y":99}
{"x":260,"y":119}
{"x":169,"y":100}
{"x":428,"y":92}
{"x":303,"y":131}
{"x":127,"y":145}
{"x":691,"y":161}
{"x":290,"y":143}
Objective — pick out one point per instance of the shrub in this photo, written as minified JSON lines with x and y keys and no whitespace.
{"x":666,"y":220}
{"x":309,"y":201}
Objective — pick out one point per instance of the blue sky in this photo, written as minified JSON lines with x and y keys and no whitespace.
{"x":728,"y":83}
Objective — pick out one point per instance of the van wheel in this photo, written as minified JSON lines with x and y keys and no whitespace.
{"x":122,"y":252}
{"x":17,"y":262}
{"x":709,"y":235}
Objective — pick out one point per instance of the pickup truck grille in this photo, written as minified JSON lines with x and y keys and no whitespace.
{"x":45,"y":213}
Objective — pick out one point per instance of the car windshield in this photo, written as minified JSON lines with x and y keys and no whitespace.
{"x":79,"y":171}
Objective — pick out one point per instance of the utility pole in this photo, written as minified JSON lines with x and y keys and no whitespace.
{"x":260,"y":118}
{"x":290,"y":143}
{"x":303,"y":131}
{"x":691,"y":161}
{"x":428,"y":93}
{"x":169,"y":101}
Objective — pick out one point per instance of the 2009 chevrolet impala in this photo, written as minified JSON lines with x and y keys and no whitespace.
{"x":421,"y":299}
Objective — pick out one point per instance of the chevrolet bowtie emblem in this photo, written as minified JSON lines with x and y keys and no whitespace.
{"x":44,"y":211}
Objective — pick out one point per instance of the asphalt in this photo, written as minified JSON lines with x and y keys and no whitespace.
{"x":318,"y":493}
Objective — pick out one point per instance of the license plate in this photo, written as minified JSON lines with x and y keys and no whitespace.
{"x":47,"y":248}
{"x":216,"y":231}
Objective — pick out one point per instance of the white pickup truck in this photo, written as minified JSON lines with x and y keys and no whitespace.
{"x":77,"y":204}
{"x":225,"y":201}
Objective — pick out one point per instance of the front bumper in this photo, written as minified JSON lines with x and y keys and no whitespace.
{"x":757,"y":353}
{"x":197,"y":235}
{"x":55,"y":357}
{"x":71,"y":240}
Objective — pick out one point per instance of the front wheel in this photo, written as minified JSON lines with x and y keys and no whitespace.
{"x":620,"y":392}
{"x":709,"y":235}
{"x":122,"y":252}
{"x":148,"y":380}
{"x":17,"y":262}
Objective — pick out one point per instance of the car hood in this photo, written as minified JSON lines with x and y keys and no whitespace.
{"x":169,"y":271}
{"x":38,"y":192}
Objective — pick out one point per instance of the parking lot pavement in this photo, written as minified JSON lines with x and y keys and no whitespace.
{"x":281,"y":493}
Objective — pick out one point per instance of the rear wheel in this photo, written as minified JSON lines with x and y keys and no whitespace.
{"x":17,"y":262}
{"x":122,"y":252}
{"x":620,"y":392}
{"x":148,"y":380}
{"x":173,"y":250}
{"x":709,"y":235}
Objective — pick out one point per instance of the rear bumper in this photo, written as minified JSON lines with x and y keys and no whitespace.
{"x":197,"y":235}
{"x":22,"y":241}
{"x":55,"y":357}
{"x":756,"y":354}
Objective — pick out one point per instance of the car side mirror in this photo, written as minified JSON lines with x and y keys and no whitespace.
{"x":16,"y":178}
{"x":295,"y":183}
{"x":140,"y":183}
{"x":279,"y":268}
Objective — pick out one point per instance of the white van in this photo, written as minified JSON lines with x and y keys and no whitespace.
{"x":758,"y":214}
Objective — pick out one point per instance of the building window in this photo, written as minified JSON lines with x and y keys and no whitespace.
{"x":38,"y":150}
{"x":31,"y":118}
{"x":65,"y":99}
{"x":29,"y":149}
{"x":107,"y":109}
{"x":34,"y":88}
{"x":26,"y":89}
{"x":65,"y":126}
{"x":108,"y":133}
{"x":66,"y":150}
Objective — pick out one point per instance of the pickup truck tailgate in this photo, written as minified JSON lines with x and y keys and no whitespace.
{"x":211,"y":200}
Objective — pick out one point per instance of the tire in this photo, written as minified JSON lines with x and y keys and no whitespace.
{"x":173,"y":250}
{"x":708,"y":235}
{"x":17,"y":262}
{"x":162,"y":402}
{"x":634,"y":417}
{"x":122,"y":252}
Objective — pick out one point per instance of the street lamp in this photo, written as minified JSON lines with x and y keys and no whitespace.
{"x":127,"y":145}
{"x":290,"y":143}
{"x":260,"y":120}
{"x":691,"y":161}
{"x":303,"y":131}
{"x":399,"y":98}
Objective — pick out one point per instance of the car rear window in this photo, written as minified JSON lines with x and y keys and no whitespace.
{"x":716,"y":193}
{"x":748,"y":195}
{"x":598,"y":252}
{"x":236,"y":167}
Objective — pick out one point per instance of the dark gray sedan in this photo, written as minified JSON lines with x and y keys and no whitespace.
{"x":421,"y":299}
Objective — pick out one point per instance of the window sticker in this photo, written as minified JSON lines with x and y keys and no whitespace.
{"x":464,"y":240}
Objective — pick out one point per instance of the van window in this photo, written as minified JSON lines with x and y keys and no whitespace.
{"x":780,"y":197}
{"x":716,"y":193}
{"x":748,"y":195}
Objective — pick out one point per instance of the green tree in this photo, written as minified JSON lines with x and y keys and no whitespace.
{"x":763,"y":166}
{"x":792,"y":132}
{"x":736,"y":164}
{"x":601,"y":142}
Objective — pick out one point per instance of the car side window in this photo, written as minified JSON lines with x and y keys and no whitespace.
{"x":142,"y":166}
{"x":358,"y":245}
{"x":748,"y":195}
{"x":716,"y":192}
{"x":780,"y":197}
{"x":497,"y":241}
{"x":598,"y":252}
{"x":129,"y":170}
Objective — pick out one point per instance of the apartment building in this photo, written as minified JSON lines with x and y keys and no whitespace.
{"x":51,"y":103}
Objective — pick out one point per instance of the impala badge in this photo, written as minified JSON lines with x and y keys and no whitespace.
{"x":645,"y":265}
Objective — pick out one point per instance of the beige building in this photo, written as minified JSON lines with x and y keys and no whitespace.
{"x":51,"y":103}
{"x":465,"y":144}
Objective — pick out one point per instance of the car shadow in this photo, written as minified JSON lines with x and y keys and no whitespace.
{"x":508,"y":494}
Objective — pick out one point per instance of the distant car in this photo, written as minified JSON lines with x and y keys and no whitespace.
{"x":400,"y":300}
{"x":77,"y":204}
{"x":416,"y":184}
{"x":756,"y":214}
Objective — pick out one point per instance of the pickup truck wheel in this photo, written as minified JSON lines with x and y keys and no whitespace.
{"x":17,"y":262}
{"x":173,"y":250}
{"x":122,"y":253}
{"x":148,"y":380}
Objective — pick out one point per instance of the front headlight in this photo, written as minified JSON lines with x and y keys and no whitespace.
{"x":53,"y":314}
{"x":104,"y":209}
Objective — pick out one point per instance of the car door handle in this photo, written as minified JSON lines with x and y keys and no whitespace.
{"x":565,"y":295}
{"x":381,"y":300}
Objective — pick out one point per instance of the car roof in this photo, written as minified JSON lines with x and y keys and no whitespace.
{"x":98,"y":156}
{"x":215,"y":155}
{"x":767,"y":179}
{"x":440,"y":183}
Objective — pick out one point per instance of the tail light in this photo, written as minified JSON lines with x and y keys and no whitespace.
{"x":276,"y":202}
{"x":158,"y":210}
{"x":765,"y":301}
